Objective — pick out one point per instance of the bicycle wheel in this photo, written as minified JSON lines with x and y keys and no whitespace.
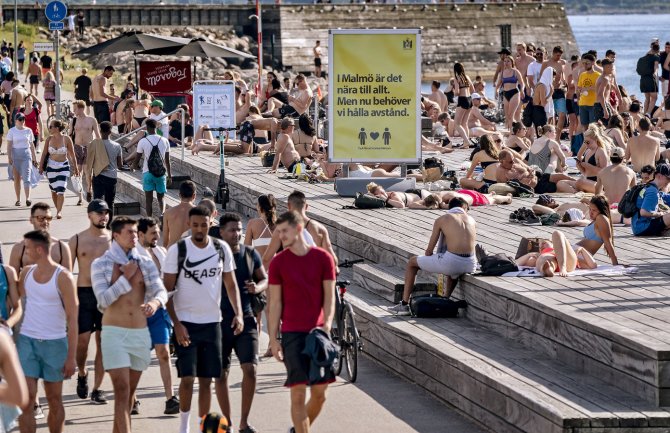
{"x":350,"y":342}
{"x":335,"y":336}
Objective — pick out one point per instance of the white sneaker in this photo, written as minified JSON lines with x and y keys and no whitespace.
{"x":400,"y":309}
{"x":39,"y":414}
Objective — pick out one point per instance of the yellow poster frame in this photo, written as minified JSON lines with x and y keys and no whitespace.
{"x":345,"y":154}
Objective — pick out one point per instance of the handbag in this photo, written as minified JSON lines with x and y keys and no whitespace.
{"x":434,"y":306}
{"x":268,"y":158}
{"x":529,"y":245}
{"x":74,"y":184}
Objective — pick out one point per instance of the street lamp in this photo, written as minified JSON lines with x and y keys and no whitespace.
{"x":259,"y":20}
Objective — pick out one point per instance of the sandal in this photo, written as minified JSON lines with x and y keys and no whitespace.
{"x":18,"y":203}
{"x":248,"y":429}
{"x":79,"y":202}
{"x":28,"y":203}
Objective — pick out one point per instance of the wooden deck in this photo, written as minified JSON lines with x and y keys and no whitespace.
{"x":613,"y":330}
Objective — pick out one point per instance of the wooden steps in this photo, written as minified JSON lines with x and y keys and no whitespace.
{"x":499,"y":382}
{"x":387,"y":281}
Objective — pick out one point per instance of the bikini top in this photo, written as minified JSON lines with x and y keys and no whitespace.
{"x":59,"y":151}
{"x":485,"y":164}
{"x":262,"y":242}
{"x":509,"y":80}
{"x":590,"y":233}
{"x":592,"y":158}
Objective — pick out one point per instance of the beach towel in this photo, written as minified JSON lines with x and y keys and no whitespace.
{"x":605,"y":270}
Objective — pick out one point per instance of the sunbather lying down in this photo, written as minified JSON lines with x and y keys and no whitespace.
{"x":424,"y":199}
{"x":205,"y":141}
{"x":558,"y":257}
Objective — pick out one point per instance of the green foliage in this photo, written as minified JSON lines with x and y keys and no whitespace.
{"x":23,"y":29}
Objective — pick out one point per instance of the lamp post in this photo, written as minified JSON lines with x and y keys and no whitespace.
{"x":259,"y":20}
{"x":16,"y":42}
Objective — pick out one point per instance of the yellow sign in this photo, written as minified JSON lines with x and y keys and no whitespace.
{"x":374,"y":86}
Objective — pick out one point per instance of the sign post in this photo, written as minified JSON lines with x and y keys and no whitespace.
{"x":56,"y":11}
{"x":373,"y":98}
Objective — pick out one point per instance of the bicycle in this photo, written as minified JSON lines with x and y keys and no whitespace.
{"x":66,"y":114}
{"x":345,"y":333}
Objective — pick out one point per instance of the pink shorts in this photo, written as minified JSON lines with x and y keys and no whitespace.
{"x":478,"y":199}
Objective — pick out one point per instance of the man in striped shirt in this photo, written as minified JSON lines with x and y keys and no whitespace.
{"x":129,"y":289}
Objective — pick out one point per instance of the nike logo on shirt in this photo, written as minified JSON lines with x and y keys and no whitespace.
{"x":190,"y":264}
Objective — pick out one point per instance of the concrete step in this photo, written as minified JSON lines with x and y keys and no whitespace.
{"x":547,"y":321}
{"x":504,"y":385}
{"x":126,"y":205}
{"x":387,"y":281}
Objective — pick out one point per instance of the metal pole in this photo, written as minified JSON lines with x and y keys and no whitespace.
{"x":260,"y":48}
{"x":137,"y":77}
{"x":58,"y":83}
{"x":183,"y":132}
{"x":16,"y":32}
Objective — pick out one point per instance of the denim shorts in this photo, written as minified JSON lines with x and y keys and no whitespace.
{"x":560,"y":106}
{"x":153,"y":183}
{"x":42,"y":359}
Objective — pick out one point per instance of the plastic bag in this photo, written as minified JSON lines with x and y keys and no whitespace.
{"x":74,"y":184}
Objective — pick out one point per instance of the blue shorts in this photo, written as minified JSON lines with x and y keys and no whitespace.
{"x":153,"y":183}
{"x":560,"y":106}
{"x":42,"y":359}
{"x":160,"y":327}
{"x":587,"y":115}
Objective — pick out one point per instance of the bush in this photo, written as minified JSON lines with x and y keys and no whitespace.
{"x":23,"y":29}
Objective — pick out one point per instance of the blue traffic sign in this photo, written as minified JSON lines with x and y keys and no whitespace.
{"x":56,"y":11}
{"x":56,"y":25}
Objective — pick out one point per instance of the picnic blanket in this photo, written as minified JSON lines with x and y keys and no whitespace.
{"x":606,"y":270}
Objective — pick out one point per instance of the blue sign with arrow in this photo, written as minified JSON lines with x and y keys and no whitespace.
{"x":56,"y":11}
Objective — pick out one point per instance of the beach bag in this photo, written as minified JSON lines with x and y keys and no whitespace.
{"x":267,"y":159}
{"x":74,"y":184}
{"x":434,"y":306}
{"x":529,"y":245}
{"x":496,"y":265}
{"x":367,"y":201}
{"x":520,"y":190}
{"x":155,"y":162}
{"x":628,"y":204}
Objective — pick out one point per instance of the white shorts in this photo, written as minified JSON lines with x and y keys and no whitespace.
{"x":125,"y":348}
{"x":448,"y":264}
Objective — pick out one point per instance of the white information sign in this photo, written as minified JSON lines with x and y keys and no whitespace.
{"x":214,"y":104}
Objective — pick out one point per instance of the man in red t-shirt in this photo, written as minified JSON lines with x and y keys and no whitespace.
{"x":302,"y":295}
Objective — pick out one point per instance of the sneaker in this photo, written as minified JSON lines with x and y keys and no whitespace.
{"x":400,"y":309}
{"x":136,"y":408}
{"x":291,"y":430}
{"x":98,"y":397}
{"x":172,"y":406}
{"x":514,"y":217}
{"x":39,"y":414}
{"x":532,"y":220}
{"x":82,"y":385}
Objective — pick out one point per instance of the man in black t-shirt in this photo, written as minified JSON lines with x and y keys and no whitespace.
{"x":249,"y":281}
{"x":649,"y":77}
{"x":82,"y":89}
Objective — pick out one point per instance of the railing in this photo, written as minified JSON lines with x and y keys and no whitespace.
{"x":183,"y":129}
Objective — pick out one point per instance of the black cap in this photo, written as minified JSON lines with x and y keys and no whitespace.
{"x":98,"y":206}
{"x":505,"y":51}
{"x":663,"y":169}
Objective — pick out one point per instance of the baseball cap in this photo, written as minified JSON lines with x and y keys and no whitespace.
{"x":505,"y":51}
{"x":618,"y":152}
{"x":98,"y":206}
{"x":476,"y":96}
{"x":544,"y":200}
{"x":663,"y":170}
{"x":157,"y":103}
{"x":575,"y":214}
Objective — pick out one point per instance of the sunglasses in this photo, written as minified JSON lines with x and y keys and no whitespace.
{"x":43,"y":218}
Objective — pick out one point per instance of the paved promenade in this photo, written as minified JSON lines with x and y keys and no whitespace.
{"x":378,"y":402}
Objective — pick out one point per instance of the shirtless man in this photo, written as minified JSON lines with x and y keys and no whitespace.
{"x":315,"y":233}
{"x":460,"y":232}
{"x":286,"y":153}
{"x":40,"y":218}
{"x":614,"y":180}
{"x":317,"y":59}
{"x":86,"y":247}
{"x":604,"y":85}
{"x":477,"y":123}
{"x":83,"y":130}
{"x":297,"y":104}
{"x":128,"y":287}
{"x":17,"y":99}
{"x":437,"y":96}
{"x":643,"y":149}
{"x":512,"y":168}
{"x":559,"y":65}
{"x":175,"y":219}
{"x":522,"y":61}
{"x":99,"y":96}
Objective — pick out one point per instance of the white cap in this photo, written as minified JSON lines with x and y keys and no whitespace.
{"x":476,"y":96}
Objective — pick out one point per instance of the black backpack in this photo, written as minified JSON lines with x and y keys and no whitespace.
{"x":155,"y":162}
{"x":521,"y":190}
{"x":368,"y":201}
{"x":434,"y":306}
{"x":643,"y":67}
{"x":496,"y":265}
{"x":628,"y":204}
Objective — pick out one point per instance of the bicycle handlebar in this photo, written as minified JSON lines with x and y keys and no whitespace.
{"x":350,"y":263}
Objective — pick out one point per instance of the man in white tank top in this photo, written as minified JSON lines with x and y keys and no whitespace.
{"x":47,"y":343}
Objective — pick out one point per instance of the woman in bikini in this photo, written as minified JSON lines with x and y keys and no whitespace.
{"x":487,"y":159}
{"x":304,"y":137}
{"x":441,"y":199}
{"x":546,"y":153}
{"x":616,"y":132}
{"x":558,"y":257}
{"x":259,"y":234}
{"x":517,"y":140}
{"x":463,"y":88}
{"x":61,"y":163}
{"x":511,"y":82}
{"x":141,"y":109}
{"x":663,"y":117}
{"x":591,"y":158}
{"x":395,"y":199}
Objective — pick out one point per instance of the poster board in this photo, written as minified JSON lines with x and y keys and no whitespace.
{"x":374,"y":95}
{"x":214,"y":104}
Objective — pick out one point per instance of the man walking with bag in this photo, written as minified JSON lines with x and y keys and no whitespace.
{"x":156,"y":172}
